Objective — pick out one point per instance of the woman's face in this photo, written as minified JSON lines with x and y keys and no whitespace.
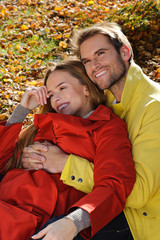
{"x":67,"y":95}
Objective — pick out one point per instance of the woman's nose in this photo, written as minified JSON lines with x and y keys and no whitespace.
{"x":56,"y":98}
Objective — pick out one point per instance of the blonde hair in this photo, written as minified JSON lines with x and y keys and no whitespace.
{"x":111,"y":30}
{"x":26,"y":137}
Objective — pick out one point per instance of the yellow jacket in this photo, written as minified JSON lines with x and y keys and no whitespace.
{"x":140,"y":108}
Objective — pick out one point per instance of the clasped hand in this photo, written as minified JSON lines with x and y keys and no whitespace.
{"x":44,"y":156}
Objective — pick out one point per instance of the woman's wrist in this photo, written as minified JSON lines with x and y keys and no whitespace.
{"x":80,"y":218}
{"x":18,"y":115}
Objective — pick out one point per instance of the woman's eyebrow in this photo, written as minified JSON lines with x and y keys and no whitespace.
{"x":59,"y":84}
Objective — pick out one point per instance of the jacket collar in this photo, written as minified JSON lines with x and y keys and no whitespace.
{"x":133,"y":82}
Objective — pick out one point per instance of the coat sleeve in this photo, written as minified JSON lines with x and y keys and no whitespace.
{"x":8,"y":138}
{"x":146,"y":155}
{"x":78,"y":168}
{"x":114,"y":176}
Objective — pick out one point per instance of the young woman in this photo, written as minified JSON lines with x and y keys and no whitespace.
{"x":76,"y":119}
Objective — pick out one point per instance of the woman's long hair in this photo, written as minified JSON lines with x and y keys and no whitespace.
{"x":27,"y":135}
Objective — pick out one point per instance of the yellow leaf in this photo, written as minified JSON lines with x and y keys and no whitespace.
{"x":32,"y":42}
{"x":19,"y":79}
{"x":6,"y":80}
{"x":58,"y":9}
{"x":10,"y":45}
{"x":12,"y":68}
{"x":90,"y":3}
{"x":24,"y":27}
{"x":38,"y":63}
{"x":67,"y":35}
{"x":20,"y":92}
{"x":106,"y":9}
{"x":34,"y":83}
{"x":4,"y":70}
{"x":20,"y":67}
{"x":62,"y":44}
{"x":3,"y":11}
{"x":29,"y":2}
{"x":17,"y":46}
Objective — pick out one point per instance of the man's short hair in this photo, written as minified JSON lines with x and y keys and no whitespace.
{"x":111,"y":30}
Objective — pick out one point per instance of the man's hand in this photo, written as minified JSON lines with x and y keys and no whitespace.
{"x":44,"y":156}
{"x":32,"y":157}
{"x":63,"y":229}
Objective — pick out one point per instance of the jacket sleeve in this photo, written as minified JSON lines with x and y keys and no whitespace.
{"x":146,"y":156}
{"x":8,"y":138}
{"x":114,"y":176}
{"x":78,"y":173}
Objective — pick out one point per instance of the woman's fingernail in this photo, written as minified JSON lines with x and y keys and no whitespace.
{"x":42,"y":159}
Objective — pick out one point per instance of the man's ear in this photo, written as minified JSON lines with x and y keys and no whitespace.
{"x":125,"y":52}
{"x":86,"y":91}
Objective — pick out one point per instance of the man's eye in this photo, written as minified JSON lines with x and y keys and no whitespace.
{"x":100,"y":53}
{"x":85,"y":62}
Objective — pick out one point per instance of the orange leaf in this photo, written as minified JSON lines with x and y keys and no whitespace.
{"x":3,"y":117}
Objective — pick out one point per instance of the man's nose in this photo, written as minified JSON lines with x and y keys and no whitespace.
{"x":94,"y":64}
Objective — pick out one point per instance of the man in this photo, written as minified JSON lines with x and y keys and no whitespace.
{"x":108,"y":58}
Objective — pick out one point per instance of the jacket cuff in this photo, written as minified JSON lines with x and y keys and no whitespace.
{"x":78,"y":173}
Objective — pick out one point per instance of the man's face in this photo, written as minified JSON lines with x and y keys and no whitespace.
{"x":102,"y":62}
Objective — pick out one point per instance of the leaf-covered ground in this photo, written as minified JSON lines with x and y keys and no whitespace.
{"x":33,"y":33}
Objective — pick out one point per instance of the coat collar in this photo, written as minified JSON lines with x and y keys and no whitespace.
{"x":96,"y":119}
{"x":134,"y":81}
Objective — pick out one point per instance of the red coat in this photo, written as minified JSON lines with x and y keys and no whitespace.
{"x":102,"y":139}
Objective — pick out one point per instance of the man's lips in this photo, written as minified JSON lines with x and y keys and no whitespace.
{"x":100,"y":73}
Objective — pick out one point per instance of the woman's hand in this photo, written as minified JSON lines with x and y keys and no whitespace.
{"x":63,"y":229}
{"x":34,"y":96}
{"x":44,"y":156}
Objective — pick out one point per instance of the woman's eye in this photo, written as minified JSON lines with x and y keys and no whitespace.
{"x":64,"y":87}
{"x":50,"y":96}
